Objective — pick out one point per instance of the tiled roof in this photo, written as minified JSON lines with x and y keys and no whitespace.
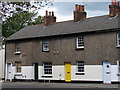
{"x":68,"y":27}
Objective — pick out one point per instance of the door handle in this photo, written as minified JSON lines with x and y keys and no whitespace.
{"x":68,"y":72}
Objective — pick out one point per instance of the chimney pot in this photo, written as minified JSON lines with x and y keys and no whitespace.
{"x":79,"y":13}
{"x":49,"y":19}
{"x":82,"y":8}
{"x":52,"y":13}
{"x":77,"y":7}
{"x":113,"y":2}
{"x":114,"y":9}
{"x":46,"y":12}
{"x":49,"y":13}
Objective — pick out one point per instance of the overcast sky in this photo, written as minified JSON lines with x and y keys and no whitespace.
{"x":64,"y":10}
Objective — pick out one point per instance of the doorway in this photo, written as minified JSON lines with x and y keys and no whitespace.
{"x":107,"y":72}
{"x":68,"y":72}
{"x":35,"y":71}
{"x":9,"y":71}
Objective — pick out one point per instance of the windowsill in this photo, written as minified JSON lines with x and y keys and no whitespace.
{"x":80,"y":73}
{"x":17,"y":53}
{"x":47,"y":76}
{"x":18,"y":74}
{"x":45,"y":51}
{"x":80,"y":48}
{"x":117,"y":46}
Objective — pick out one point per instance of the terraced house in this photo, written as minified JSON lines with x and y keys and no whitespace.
{"x":83,"y":49}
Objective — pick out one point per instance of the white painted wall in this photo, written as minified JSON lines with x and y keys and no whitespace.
{"x":2,"y":57}
{"x":114,"y":72}
{"x":92,"y":73}
{"x":27,"y":72}
{"x":58,"y":73}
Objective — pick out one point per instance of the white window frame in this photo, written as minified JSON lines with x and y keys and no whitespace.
{"x":17,"y":48}
{"x":44,"y":47}
{"x":82,"y":66}
{"x":77,"y":42}
{"x":44,"y":74}
{"x":118,"y":40}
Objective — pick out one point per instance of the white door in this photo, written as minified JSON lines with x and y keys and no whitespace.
{"x":107,"y":72}
{"x":9,"y":71}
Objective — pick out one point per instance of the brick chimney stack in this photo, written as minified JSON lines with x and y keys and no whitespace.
{"x":114,"y":8}
{"x":79,"y":13}
{"x":49,"y":19}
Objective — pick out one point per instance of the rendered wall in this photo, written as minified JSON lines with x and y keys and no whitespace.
{"x":92,"y":73}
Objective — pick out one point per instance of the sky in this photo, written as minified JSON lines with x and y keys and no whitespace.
{"x":64,"y":10}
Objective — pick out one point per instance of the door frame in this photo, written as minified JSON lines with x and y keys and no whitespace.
{"x":105,"y":72}
{"x":7,"y":71}
{"x":35,"y":65}
{"x":66,"y":72}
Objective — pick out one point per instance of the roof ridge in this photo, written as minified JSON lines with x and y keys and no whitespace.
{"x":83,"y":19}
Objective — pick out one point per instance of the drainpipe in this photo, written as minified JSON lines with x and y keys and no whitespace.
{"x":5,"y":64}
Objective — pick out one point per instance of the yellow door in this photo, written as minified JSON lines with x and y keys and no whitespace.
{"x":68,"y":72}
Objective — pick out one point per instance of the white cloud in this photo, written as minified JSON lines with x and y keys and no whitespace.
{"x":96,"y":13}
{"x":63,"y":18}
{"x":60,"y":17}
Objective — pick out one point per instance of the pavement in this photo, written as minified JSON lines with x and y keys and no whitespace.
{"x":1,"y":84}
{"x":8,"y":84}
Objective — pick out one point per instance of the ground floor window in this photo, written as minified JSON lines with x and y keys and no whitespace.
{"x":80,"y":66}
{"x":47,"y":68}
{"x":18,"y":67}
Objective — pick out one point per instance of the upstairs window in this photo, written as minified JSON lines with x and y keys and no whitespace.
{"x":17,"y":48}
{"x":118,"y":39}
{"x":18,"y":67}
{"x":47,"y":68}
{"x":80,"y":66}
{"x":80,"y":42}
{"x":45,"y":46}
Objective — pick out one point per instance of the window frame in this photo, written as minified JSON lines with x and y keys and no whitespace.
{"x":118,"y":40}
{"x":43,"y":65}
{"x":43,"y":46}
{"x":17,"y":48}
{"x":81,"y":66}
{"x":18,"y":67}
{"x":77,"y":42}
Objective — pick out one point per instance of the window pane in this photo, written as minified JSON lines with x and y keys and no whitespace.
{"x":119,"y":36}
{"x":80,"y":41}
{"x":18,"y":66}
{"x":80,"y":66}
{"x":119,"y":42}
{"x":47,"y":68}
{"x":45,"y":45}
{"x":17,"y":47}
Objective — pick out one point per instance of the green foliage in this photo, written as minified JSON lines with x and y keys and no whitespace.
{"x":18,"y":21}
{"x":38,"y":20}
